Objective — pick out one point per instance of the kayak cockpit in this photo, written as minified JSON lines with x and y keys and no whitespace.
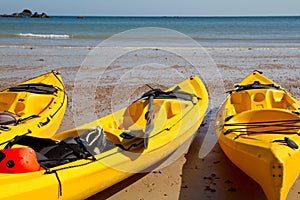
{"x":27,"y":99}
{"x":133,"y":118}
{"x":127,"y":127}
{"x":130,"y":127}
{"x":261,"y":99}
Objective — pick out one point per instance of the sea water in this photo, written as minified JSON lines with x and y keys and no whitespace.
{"x":71,"y":31}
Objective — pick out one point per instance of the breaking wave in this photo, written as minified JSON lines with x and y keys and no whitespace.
{"x":53,"y":36}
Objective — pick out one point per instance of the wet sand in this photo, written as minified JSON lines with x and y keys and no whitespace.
{"x":190,"y":177}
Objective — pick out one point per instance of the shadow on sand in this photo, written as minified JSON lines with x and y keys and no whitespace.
{"x":105,"y":194}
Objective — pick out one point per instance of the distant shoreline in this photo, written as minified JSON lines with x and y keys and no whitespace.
{"x":186,"y":16}
{"x":171,"y":16}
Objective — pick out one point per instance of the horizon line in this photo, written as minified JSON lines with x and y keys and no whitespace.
{"x":62,"y":15}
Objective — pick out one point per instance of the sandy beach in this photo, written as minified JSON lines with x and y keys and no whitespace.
{"x":189,"y":177}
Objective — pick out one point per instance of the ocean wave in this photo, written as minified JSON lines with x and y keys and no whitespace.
{"x":162,"y":38}
{"x":52,"y":36}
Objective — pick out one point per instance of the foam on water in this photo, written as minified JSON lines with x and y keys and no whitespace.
{"x":32,"y":35}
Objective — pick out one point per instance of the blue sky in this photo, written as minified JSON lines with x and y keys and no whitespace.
{"x":155,"y":7}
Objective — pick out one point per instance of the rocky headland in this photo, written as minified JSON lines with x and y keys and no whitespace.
{"x":26,"y":13}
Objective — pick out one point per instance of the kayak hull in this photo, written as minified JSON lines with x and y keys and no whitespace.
{"x":175,"y":123}
{"x":253,"y":134}
{"x":38,"y":106}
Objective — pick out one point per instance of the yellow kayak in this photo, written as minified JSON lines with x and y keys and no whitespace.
{"x":34,"y":107}
{"x":78,"y":163}
{"x":258,"y":127}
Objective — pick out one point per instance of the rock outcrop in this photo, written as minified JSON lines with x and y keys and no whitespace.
{"x":26,"y":13}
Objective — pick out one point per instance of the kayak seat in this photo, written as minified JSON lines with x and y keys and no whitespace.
{"x":241,"y":101}
{"x":258,"y":99}
{"x":133,"y":115}
{"x":7,"y":100}
{"x":172,"y":108}
{"x":236,"y":98}
{"x":277,"y":99}
{"x":134,"y":118}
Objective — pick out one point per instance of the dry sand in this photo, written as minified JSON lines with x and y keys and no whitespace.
{"x":190,"y":177}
